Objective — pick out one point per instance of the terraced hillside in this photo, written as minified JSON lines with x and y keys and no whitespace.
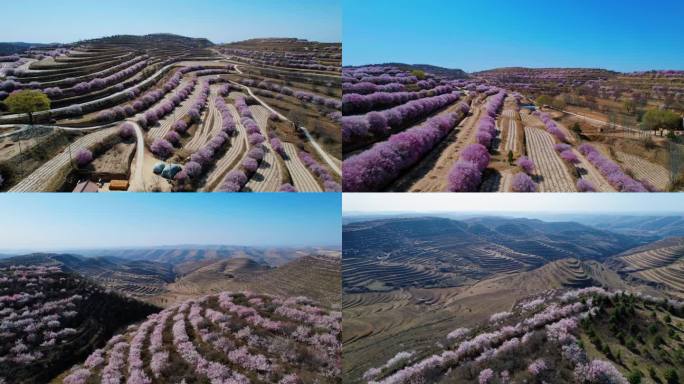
{"x":166,"y":277}
{"x":238,"y":337}
{"x":315,"y":274}
{"x":175,"y":100}
{"x":52,"y":319}
{"x":514,"y":130}
{"x":188,"y":258}
{"x":383,"y":255}
{"x":141,"y":279}
{"x":588,"y":335}
{"x":663,"y":226}
{"x":408,"y":282}
{"x":660,"y":264}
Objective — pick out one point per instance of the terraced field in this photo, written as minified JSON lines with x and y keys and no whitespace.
{"x":387,"y":106}
{"x":53,"y":318}
{"x":237,"y":149}
{"x":643,"y":169}
{"x":661,"y":265}
{"x":49,"y":176}
{"x":552,"y":173}
{"x":430,"y":252}
{"x":239,"y":337}
{"x":158,"y":82}
{"x":268,"y":177}
{"x":315,"y":274}
{"x":302,"y":179}
{"x":511,"y":132}
{"x":409,"y":280}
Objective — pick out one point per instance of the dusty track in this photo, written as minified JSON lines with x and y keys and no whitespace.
{"x":435,"y":180}
{"x":332,"y":161}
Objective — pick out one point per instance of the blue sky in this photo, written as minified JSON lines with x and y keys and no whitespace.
{"x":42,"y":21}
{"x":45,"y":221}
{"x":512,"y":203}
{"x":623,"y":35}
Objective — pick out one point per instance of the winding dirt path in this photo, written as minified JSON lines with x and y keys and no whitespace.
{"x":136,"y":181}
{"x":333,"y":162}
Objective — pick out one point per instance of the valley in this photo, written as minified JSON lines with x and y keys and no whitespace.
{"x":181,"y":284}
{"x":410,"y":282}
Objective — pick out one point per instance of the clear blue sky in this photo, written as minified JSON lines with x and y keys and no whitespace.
{"x":43,"y":21}
{"x":504,"y":203}
{"x":623,"y":35}
{"x":45,"y":221}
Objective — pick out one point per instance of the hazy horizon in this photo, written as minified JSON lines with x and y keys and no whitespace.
{"x":96,"y":221}
{"x":22,"y":251}
{"x":617,"y":35}
{"x":513,"y":66}
{"x":220,"y":21}
{"x":629,"y":204}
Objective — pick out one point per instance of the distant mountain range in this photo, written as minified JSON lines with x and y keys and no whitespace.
{"x":7,"y":49}
{"x":389,"y":253}
{"x":455,"y":73}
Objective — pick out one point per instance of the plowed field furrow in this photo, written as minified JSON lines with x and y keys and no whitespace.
{"x":554,"y":176}
{"x":303,"y":180}
{"x":643,"y":169}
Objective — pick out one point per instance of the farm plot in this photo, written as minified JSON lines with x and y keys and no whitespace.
{"x":643,"y":169}
{"x":238,"y":146}
{"x":511,"y":131}
{"x":552,"y":172}
{"x":49,"y":176}
{"x":302,"y":179}
{"x":165,"y":125}
{"x":591,"y":174}
{"x":209,"y":126}
{"x":268,"y":175}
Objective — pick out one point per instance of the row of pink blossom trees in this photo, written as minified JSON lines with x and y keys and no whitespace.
{"x":202,"y":159}
{"x":301,"y":95}
{"x":555,"y":317}
{"x":247,"y":336}
{"x":375,"y":168}
{"x":354,"y":103}
{"x":379,"y":124}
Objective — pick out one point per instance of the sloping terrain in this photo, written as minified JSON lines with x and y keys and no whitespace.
{"x":51,"y":319}
{"x":315,"y":275}
{"x":173,"y":98}
{"x":660,"y":264}
{"x":224,"y":338}
{"x":137,"y":278}
{"x":589,"y":335}
{"x":435,"y":252}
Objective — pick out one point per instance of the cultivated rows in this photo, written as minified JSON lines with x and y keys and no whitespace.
{"x":43,"y":178}
{"x":224,"y":338}
{"x":553,"y":172}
